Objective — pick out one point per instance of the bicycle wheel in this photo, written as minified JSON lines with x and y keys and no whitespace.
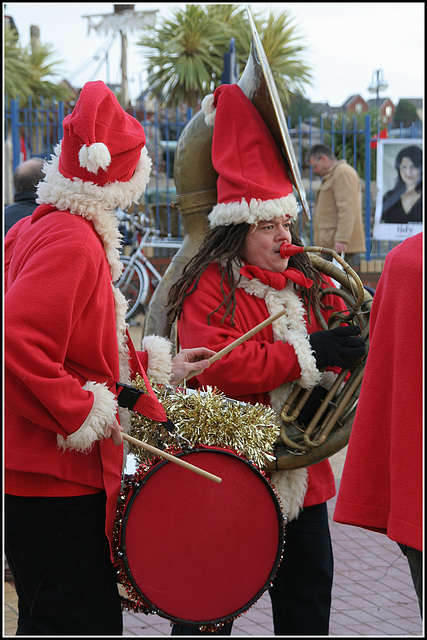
{"x":134,"y":284}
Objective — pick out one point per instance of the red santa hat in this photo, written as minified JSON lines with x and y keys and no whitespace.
{"x":102,"y":143}
{"x":253,"y":183}
{"x":101,"y":158}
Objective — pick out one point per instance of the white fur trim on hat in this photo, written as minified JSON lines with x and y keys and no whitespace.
{"x":225,"y":214}
{"x":81,"y":197}
{"x":94,"y":157}
{"x":209,"y":110}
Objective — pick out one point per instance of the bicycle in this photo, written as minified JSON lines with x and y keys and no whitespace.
{"x":140,"y":277}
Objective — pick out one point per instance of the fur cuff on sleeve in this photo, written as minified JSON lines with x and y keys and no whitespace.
{"x":101,"y":416}
{"x":159,"y":358}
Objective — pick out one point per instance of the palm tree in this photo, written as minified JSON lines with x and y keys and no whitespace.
{"x":42,"y":68}
{"x":284,"y":51}
{"x":17,"y":68}
{"x":26,"y":72}
{"x":184,"y":56}
{"x":185,"y":52}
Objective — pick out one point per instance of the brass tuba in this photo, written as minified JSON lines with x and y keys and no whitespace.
{"x":195,"y":180}
{"x":328,"y":430}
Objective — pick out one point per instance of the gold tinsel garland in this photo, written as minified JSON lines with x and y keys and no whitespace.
{"x":207,"y":417}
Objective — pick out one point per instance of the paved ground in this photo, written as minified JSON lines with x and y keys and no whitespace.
{"x":372,"y":592}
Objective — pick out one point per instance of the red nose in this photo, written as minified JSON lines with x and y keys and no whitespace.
{"x":287,"y":250}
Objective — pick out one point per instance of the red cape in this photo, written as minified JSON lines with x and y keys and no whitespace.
{"x":382,"y":481}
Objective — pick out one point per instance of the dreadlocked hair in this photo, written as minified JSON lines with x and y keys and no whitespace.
{"x":223,"y":245}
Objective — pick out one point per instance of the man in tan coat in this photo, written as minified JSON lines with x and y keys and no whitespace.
{"x":337,"y":219}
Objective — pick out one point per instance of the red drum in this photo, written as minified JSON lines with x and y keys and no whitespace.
{"x":196,"y":551}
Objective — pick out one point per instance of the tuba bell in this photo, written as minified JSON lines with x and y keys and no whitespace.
{"x":195,"y":179}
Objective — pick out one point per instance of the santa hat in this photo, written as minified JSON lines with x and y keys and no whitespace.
{"x":102,"y":156}
{"x":253,"y":183}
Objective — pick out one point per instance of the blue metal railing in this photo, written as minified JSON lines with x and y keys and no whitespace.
{"x":40,"y":129}
{"x":354,"y":143}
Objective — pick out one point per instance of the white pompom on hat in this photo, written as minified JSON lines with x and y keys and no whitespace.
{"x":253,"y":183}
{"x":94,"y":157}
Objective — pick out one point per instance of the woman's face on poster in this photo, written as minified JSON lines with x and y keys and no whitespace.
{"x":409,"y":172}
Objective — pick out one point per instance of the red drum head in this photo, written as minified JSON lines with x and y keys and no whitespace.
{"x":198,"y":551}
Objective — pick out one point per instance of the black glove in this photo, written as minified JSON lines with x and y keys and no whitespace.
{"x":338,"y":347}
{"x":312,"y":405}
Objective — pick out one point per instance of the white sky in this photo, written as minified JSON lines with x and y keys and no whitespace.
{"x":346,"y":42}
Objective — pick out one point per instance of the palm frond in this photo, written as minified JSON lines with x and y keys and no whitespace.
{"x":185,"y":52}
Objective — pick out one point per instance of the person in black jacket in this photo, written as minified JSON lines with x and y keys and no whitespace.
{"x":25,"y":180}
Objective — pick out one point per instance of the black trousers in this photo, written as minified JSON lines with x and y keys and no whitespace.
{"x":415,"y":562}
{"x":301,"y":591}
{"x":58,"y":553}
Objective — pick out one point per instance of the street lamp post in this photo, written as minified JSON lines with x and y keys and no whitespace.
{"x":378,"y":84}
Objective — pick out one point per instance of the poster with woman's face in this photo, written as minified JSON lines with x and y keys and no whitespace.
{"x":399,"y":208}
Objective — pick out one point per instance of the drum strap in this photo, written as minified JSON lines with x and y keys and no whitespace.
{"x":143,"y":403}
{"x":147,"y":404}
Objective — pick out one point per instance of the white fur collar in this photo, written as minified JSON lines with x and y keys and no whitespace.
{"x":290,"y":327}
{"x":93,"y":202}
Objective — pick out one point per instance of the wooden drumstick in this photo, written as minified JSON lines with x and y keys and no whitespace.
{"x":239,"y":341}
{"x":163,"y":454}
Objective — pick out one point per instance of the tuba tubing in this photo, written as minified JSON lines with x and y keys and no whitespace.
{"x":287,"y":250}
{"x":329,"y":429}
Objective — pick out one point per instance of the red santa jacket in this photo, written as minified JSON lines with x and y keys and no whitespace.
{"x":66,"y":343}
{"x":382,"y":482}
{"x":264,"y":367}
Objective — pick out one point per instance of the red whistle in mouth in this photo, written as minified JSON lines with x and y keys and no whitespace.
{"x":288,"y":250}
